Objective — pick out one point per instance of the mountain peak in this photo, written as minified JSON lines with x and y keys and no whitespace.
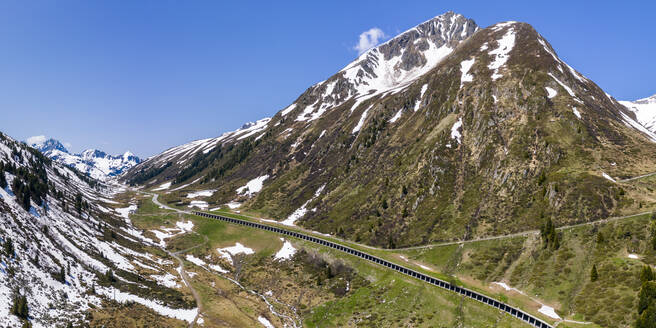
{"x":94,"y":162}
{"x":389,"y":67}
{"x":44,"y":144}
{"x":91,"y":153}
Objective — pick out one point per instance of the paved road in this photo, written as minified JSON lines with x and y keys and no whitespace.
{"x":517,"y":313}
{"x":156,"y":201}
{"x":512,"y":235}
{"x":638,"y":177}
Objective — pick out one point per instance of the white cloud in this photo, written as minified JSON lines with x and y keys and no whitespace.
{"x":369,"y":39}
{"x":67,"y":145}
{"x":36,"y":140}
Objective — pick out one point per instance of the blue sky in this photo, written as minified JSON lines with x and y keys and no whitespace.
{"x":148,"y":75}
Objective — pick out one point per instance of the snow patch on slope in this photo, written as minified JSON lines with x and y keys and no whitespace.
{"x":567,"y":88}
{"x":167,"y":280}
{"x":551,"y":92}
{"x":163,"y":186}
{"x":126,"y":211}
{"x":608,"y":177}
{"x":228,"y":252}
{"x":549,"y":312}
{"x":421,"y":95}
{"x":187,"y":315}
{"x":203,"y":205}
{"x":500,"y":55}
{"x":201,"y":193}
{"x":455,"y":130}
{"x":361,"y":122}
{"x":253,"y":186}
{"x":396,"y":116}
{"x":301,"y":211}
{"x":266,"y":323}
{"x":465,"y":66}
{"x":286,"y":252}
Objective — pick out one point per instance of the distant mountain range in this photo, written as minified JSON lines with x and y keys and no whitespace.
{"x":96,"y":163}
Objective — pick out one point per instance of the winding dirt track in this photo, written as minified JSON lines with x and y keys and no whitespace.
{"x":185,"y":277}
{"x":183,"y":272}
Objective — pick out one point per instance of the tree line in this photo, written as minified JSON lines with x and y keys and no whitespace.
{"x":27,"y":185}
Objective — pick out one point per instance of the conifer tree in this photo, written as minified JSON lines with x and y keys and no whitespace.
{"x":3,"y":179}
{"x":109,"y":275}
{"x":78,"y":202}
{"x":647,"y":274}
{"x":549,"y":235}
{"x":594,"y":275}
{"x":20,"y":308}
{"x":556,"y":241}
{"x":8,"y":247}
{"x":647,"y":306}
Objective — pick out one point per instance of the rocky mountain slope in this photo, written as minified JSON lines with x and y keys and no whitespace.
{"x":644,"y":110}
{"x":97,"y":164}
{"x":67,"y":249}
{"x":445,"y":132}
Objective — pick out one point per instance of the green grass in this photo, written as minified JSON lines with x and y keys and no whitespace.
{"x":420,"y":304}
{"x":560,"y":277}
{"x":394,"y":300}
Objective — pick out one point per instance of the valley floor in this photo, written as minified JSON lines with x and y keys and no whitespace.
{"x":239,"y":276}
{"x":316,"y":286}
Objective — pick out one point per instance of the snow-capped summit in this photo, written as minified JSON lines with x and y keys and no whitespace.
{"x":128,"y":154}
{"x":96,"y":163}
{"x":389,"y":67}
{"x":91,"y":153}
{"x":43,"y":144}
{"x":645,"y":111}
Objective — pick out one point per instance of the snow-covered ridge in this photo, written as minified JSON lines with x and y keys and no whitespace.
{"x":60,"y":252}
{"x":389,"y":67}
{"x":644,"y":110}
{"x":97,"y":164}
{"x":182,"y":154}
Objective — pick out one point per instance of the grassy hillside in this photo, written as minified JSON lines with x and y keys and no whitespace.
{"x":560,"y":278}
